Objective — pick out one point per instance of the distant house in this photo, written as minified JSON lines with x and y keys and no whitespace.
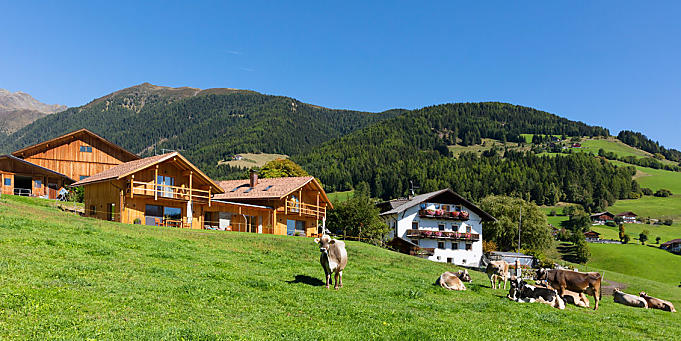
{"x":576,"y":145}
{"x":602,"y":217}
{"x":592,"y":236}
{"x":629,"y":217}
{"x":673,"y":245}
{"x":237,"y":157}
{"x":441,"y":226}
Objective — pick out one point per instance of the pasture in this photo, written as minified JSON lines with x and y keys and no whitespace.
{"x":253,"y":160}
{"x":67,"y":277}
{"x":638,"y":260}
{"x":340,"y":196}
{"x":633,"y":230}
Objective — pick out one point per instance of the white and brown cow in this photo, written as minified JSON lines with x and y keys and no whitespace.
{"x":525,"y":293}
{"x":578,"y":299}
{"x":454,"y":280}
{"x":333,"y":259}
{"x":581,"y":283}
{"x":497,"y":271}
{"x":629,"y":299}
{"x":657,"y":303}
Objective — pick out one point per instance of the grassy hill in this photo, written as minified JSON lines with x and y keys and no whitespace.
{"x":253,"y":160}
{"x":64,"y":276}
{"x":637,"y":260}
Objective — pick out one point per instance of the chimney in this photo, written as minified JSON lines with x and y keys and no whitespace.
{"x":254,"y":178}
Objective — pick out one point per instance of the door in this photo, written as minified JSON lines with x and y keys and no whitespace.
{"x":290,"y":227}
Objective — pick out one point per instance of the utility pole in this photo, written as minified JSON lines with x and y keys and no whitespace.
{"x":520,"y":223}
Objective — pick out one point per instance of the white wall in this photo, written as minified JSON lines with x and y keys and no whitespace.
{"x":461,"y":256}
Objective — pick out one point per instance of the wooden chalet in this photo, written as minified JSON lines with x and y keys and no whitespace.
{"x":602,"y":217}
{"x":21,"y":177}
{"x":592,"y":235}
{"x":298,"y":203}
{"x":77,"y":155}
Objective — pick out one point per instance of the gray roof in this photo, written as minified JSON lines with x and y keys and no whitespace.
{"x":426,"y":196}
{"x":510,"y":254}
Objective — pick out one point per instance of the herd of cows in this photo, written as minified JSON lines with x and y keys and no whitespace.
{"x":554,"y":287}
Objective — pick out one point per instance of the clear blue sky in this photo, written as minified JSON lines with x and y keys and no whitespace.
{"x":613,"y":64}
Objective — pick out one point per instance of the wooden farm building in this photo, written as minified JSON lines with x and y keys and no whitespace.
{"x":77,"y":155}
{"x":298,"y":203}
{"x":20,"y":177}
{"x":168,"y":190}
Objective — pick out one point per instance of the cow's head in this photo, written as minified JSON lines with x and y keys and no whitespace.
{"x":324,"y":243}
{"x":642,"y":294}
{"x":464,"y":276}
{"x":541,"y":274}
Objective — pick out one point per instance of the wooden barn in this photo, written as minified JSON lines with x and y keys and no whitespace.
{"x":77,"y":155}
{"x":298,"y":203}
{"x":20,"y":177}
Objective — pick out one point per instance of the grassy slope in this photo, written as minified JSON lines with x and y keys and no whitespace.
{"x":252,"y":159}
{"x":633,"y":230}
{"x":65,"y":276}
{"x":637,"y":260}
{"x":340,"y":196}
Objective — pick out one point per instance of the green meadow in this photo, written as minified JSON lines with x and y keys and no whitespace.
{"x":68,"y":277}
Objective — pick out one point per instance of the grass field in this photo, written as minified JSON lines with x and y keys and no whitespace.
{"x":68,"y":277}
{"x":650,"y":206}
{"x":613,"y":145}
{"x":340,"y":196}
{"x":633,"y":230}
{"x":637,"y":260}
{"x":253,"y":160}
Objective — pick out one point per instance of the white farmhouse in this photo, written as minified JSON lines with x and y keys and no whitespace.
{"x":441,"y":226}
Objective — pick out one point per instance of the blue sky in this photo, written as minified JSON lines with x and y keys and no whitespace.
{"x":615,"y":64}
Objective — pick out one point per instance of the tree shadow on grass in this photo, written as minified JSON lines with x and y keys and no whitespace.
{"x":568,"y":252}
{"x":305,"y":279}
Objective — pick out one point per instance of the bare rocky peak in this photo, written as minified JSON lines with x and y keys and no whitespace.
{"x":10,"y":101}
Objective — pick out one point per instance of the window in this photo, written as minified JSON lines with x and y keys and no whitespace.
{"x":295,"y":227}
{"x":163,"y":183}
{"x":93,"y":211}
{"x":468,"y":229}
{"x":469,"y":247}
{"x":83,"y":177}
{"x":86,"y":149}
{"x":438,"y":257}
{"x":441,"y":227}
{"x":38,"y":183}
{"x":174,"y":213}
{"x":294,"y":204}
{"x":440,"y":245}
{"x":450,"y":260}
{"x":8,"y":181}
{"x":455,"y":246}
{"x":268,"y":187}
{"x":110,"y":212}
{"x":415,"y":225}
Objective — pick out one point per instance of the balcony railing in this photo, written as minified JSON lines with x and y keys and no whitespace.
{"x":296,"y":207}
{"x":439,"y":214}
{"x":166,"y":191}
{"x":443,"y":235}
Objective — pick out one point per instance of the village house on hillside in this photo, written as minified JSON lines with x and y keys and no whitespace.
{"x":441,"y":226}
{"x":629,"y":217}
{"x":602,"y":218}
{"x":673,"y":245}
{"x":169,"y":190}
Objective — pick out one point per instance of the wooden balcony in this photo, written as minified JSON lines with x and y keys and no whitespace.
{"x":159,"y":191}
{"x":438,"y":214}
{"x":300,"y":208}
{"x":444,"y":235}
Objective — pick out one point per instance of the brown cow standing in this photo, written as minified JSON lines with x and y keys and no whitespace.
{"x":333,"y":259}
{"x":496,"y":271}
{"x":589,"y":283}
{"x":656,"y":303}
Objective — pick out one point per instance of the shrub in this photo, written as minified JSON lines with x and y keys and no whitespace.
{"x":657,"y":240}
{"x":663,"y":193}
{"x":643,"y":237}
{"x":582,"y":253}
{"x":668,"y":221}
{"x":489,"y":246}
{"x":646,"y":191}
{"x":622,"y":234}
{"x":626,"y":239}
{"x":137,"y":221}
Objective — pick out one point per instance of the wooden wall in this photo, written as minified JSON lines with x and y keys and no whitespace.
{"x":66,"y":158}
{"x":6,"y":189}
{"x":100,"y":195}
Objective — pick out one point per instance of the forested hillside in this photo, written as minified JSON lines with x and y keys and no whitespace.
{"x":389,"y":154}
{"x":206,"y":125}
{"x":638,"y":140}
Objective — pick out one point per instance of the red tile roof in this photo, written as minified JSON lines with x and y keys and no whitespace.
{"x":267,"y":188}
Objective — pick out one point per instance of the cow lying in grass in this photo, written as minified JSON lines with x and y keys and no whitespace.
{"x":629,"y":299}
{"x":524,"y":293}
{"x":454,"y":280}
{"x":570,"y":297}
{"x":333,"y":259}
{"x":656,"y":303}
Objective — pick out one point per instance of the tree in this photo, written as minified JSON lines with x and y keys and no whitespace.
{"x":534,"y":233}
{"x":582,"y":253}
{"x":358,"y":217}
{"x":663,"y":193}
{"x":657,"y":240}
{"x":622,"y":234}
{"x":626,"y":239}
{"x":643,"y":236}
{"x":280,"y":168}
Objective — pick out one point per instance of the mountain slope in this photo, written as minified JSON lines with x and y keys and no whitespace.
{"x":206,"y":125}
{"x":69,"y":277}
{"x":19,"y":109}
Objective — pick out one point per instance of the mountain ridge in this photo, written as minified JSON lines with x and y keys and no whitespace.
{"x":18,"y":109}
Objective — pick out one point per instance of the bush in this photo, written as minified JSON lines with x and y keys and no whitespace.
{"x":489,"y":246}
{"x":582,"y":253}
{"x":663,"y":193}
{"x":552,"y":213}
{"x":626,"y":239}
{"x":610,"y":223}
{"x":657,"y":240}
{"x":643,"y":237}
{"x":668,"y":221}
{"x":646,"y":191}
